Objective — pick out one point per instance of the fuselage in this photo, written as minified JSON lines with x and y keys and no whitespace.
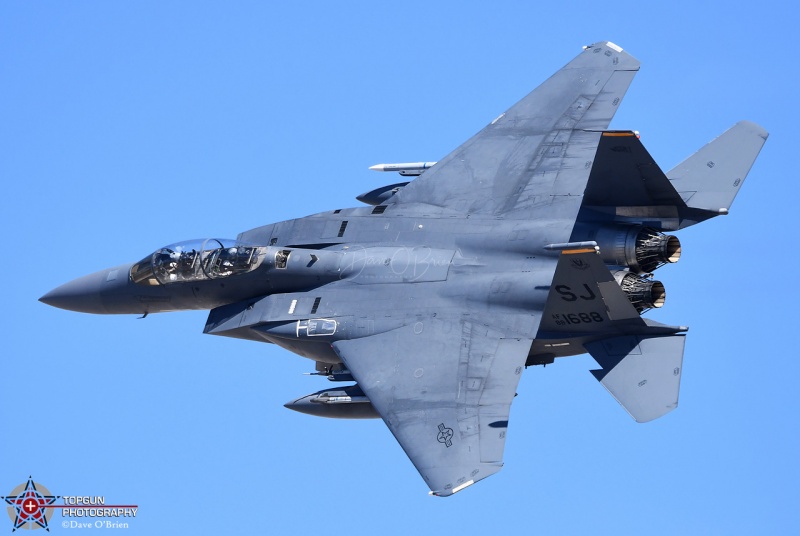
{"x":410,"y":254}
{"x":492,"y":263}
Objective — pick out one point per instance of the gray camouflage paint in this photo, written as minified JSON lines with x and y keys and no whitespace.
{"x":511,"y":251}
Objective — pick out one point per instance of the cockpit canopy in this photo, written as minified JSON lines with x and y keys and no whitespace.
{"x":197,"y":260}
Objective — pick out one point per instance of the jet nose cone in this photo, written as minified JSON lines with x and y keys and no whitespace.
{"x":99,"y":293}
{"x":81,"y":295}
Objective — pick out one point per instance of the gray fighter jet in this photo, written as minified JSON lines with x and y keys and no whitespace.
{"x":535,"y":239}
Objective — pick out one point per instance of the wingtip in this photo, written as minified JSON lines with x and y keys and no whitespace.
{"x":755,"y":127}
{"x":624,"y":61}
{"x":609,"y":44}
{"x":451,"y":492}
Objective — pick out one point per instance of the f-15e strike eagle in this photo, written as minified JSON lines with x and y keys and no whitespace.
{"x":535,"y":239}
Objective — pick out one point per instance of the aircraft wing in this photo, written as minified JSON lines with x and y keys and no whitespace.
{"x":444,"y":384}
{"x":536,"y":157}
{"x":444,"y":388}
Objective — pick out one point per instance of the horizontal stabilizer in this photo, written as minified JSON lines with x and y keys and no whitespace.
{"x":642,"y":374}
{"x":711,"y":178}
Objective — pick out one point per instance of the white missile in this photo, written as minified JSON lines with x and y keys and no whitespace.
{"x":407,"y":169}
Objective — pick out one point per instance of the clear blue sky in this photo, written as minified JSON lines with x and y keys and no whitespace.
{"x":128,"y":126}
